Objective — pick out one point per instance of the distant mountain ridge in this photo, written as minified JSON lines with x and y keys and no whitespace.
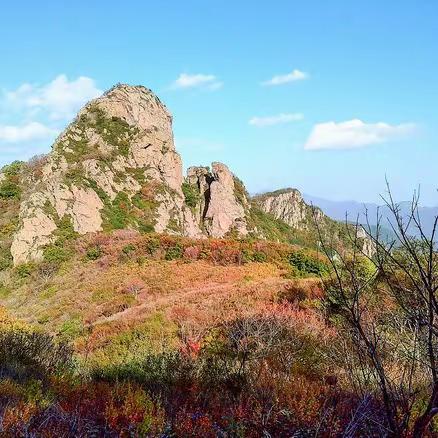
{"x":337,"y":210}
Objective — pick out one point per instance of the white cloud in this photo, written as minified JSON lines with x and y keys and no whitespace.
{"x":275,"y":120}
{"x":295,"y":75}
{"x":27,"y":132}
{"x":209,"y":82}
{"x":61,"y":98}
{"x":355,"y":134}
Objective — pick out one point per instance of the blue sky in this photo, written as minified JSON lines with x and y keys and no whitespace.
{"x":328,"y":97}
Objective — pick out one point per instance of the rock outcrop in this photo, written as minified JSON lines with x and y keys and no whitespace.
{"x":220,"y":210}
{"x":288,"y":205}
{"x":115,"y":166}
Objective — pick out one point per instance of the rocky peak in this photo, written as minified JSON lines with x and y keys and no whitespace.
{"x":220,"y":210}
{"x":289,"y":206}
{"x":115,"y":166}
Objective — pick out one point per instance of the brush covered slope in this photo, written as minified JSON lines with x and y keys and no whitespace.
{"x":141,"y":302}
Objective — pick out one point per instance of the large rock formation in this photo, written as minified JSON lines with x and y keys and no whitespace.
{"x":289,"y":206}
{"x":115,"y":166}
{"x":220,"y":209}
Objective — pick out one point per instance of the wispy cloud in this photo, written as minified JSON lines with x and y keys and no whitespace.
{"x":278,"y":119}
{"x":355,"y":134}
{"x":34,"y":114}
{"x":209,"y":82}
{"x":27,"y":132}
{"x":295,"y":75}
{"x":60,"y":99}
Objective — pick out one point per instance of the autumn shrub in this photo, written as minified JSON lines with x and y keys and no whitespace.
{"x":131,"y":409}
{"x":298,"y":291}
{"x":28,"y":355}
{"x":94,"y":252}
{"x":307,"y":265}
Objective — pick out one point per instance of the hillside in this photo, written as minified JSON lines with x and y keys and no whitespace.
{"x":137,"y":301}
{"x":115,"y":167}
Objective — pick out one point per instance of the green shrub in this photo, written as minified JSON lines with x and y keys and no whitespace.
{"x":26,"y":355}
{"x":9,"y":190}
{"x":174,"y":252}
{"x":128,"y":249}
{"x":71,"y":329}
{"x":94,"y":253}
{"x":56,"y":254}
{"x":49,"y":292}
{"x":4,"y":291}
{"x":191,"y":194}
{"x":306,"y":264}
{"x":117,"y":212}
{"x":24,"y":270}
{"x":240,"y":192}
{"x":5,"y":259}
{"x":145,"y":227}
{"x":65,"y":230}
{"x":114,"y":130}
{"x":259,"y":256}
{"x":13,"y":169}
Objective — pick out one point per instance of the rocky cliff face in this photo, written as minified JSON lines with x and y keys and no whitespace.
{"x":219,"y":209}
{"x":116,"y":166}
{"x":288,"y":205}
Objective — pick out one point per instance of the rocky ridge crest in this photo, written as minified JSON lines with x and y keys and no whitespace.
{"x":115,"y":166}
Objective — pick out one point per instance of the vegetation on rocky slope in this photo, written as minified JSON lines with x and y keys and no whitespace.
{"x":10,"y":195}
{"x":287,"y":323}
{"x":159,"y":335}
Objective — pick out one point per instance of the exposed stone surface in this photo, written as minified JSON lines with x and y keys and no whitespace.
{"x":121,"y":144}
{"x":115,"y":166}
{"x":218,"y":209}
{"x":289,"y":206}
{"x":224,"y":212}
{"x":368,"y":247}
{"x":35,"y":231}
{"x":117,"y":144}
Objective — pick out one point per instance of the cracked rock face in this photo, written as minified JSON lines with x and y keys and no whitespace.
{"x":121,"y":145}
{"x":224,"y":212}
{"x":118,"y":143}
{"x":218,"y":209}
